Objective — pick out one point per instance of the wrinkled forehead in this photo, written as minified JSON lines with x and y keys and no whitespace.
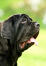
{"x":25,"y":17}
{"x":21,"y":22}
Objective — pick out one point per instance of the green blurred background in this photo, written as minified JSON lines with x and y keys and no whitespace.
{"x":36,"y":9}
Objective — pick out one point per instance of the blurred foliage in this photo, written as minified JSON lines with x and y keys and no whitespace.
{"x":11,"y":7}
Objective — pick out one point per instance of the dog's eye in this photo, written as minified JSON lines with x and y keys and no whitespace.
{"x":24,"y":21}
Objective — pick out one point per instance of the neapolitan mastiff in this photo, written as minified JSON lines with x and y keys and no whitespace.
{"x":17,"y":33}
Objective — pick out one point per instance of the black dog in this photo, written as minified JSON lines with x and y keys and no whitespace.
{"x":17,"y":34}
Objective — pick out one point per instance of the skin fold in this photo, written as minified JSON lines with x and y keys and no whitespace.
{"x":15,"y":32}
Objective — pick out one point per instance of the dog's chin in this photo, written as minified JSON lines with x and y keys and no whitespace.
{"x":31,"y":41}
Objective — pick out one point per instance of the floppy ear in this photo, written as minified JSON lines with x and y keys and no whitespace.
{"x":7,"y":30}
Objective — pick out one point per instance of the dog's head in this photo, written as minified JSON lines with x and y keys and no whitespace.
{"x":22,"y":29}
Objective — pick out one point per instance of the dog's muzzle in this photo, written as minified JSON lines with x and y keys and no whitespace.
{"x":32,"y":39}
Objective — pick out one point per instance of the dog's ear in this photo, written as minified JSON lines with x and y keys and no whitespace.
{"x":7,"y":29}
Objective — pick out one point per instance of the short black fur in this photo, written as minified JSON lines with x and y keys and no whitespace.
{"x":14,"y":31}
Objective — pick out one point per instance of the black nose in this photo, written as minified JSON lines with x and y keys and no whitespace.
{"x":37,"y":24}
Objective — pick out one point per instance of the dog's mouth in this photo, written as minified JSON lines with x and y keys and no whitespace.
{"x":30,"y":41}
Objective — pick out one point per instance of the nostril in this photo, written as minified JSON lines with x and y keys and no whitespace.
{"x":37,"y":24}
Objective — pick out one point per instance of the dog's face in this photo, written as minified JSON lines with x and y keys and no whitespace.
{"x":23,"y":29}
{"x":26,"y":31}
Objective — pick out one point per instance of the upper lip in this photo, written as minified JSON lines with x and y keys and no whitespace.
{"x":35,"y":36}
